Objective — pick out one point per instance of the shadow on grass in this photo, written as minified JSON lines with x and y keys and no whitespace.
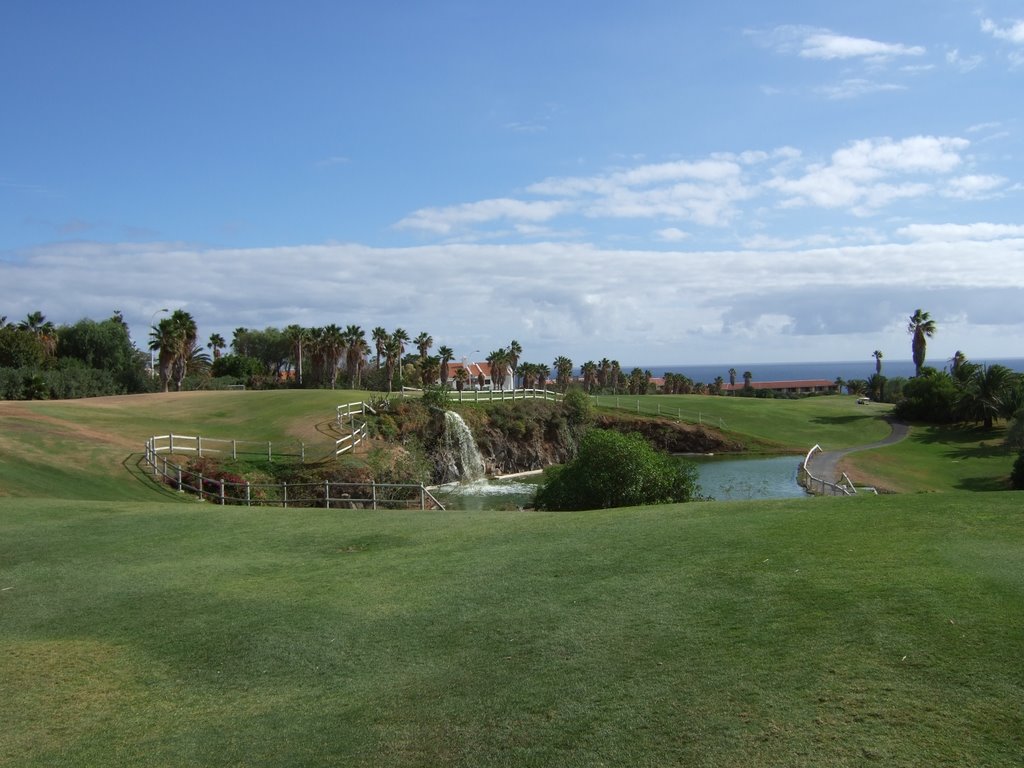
{"x":983,"y":484}
{"x":851,"y":419}
{"x":952,"y":435}
{"x":135,"y":465}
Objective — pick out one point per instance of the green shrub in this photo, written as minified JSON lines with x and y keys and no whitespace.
{"x":616,"y":470}
{"x":1017,"y":474}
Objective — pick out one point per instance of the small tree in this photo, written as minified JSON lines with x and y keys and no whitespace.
{"x":615,"y":470}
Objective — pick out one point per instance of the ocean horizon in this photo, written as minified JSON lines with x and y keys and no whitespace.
{"x":829,"y":371}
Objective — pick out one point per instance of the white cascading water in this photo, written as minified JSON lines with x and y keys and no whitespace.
{"x":458,"y":439}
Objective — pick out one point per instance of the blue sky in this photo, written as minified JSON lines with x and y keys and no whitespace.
{"x":654,"y":182}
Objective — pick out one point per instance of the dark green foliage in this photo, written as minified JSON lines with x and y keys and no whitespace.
{"x":615,"y":470}
{"x":1017,"y":475}
{"x":241,"y":367}
{"x":19,"y":349}
{"x":929,"y":397}
{"x":437,"y":397}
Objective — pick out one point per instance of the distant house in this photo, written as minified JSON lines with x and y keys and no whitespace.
{"x":802,"y":387}
{"x":479,"y":376}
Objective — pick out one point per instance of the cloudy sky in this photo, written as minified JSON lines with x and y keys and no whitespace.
{"x":655,"y":182}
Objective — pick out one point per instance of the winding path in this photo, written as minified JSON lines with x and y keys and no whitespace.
{"x":824,"y":465}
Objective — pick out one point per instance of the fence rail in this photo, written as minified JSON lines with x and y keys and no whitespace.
{"x":648,"y":408}
{"x":329,"y":494}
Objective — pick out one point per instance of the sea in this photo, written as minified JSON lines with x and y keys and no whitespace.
{"x":829,"y":371}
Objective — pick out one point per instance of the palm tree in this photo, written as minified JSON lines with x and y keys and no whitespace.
{"x":515,"y":351}
{"x":986,"y":394}
{"x":356,"y":348}
{"x":499,"y":367}
{"x":589,"y":373}
{"x":296,"y":336}
{"x":604,"y":372}
{"x":174,"y":337}
{"x":379,"y":336}
{"x":430,"y":370}
{"x":719,"y":383}
{"x":921,"y":327}
{"x":840,"y":383}
{"x":958,"y":359}
{"x":563,"y":372}
{"x":36,"y":323}
{"x":747,"y":378}
{"x":543,"y":374}
{"x":216,"y":343}
{"x":402,"y":337}
{"x":461,"y":378}
{"x":878,"y":362}
{"x":732,"y":377}
{"x":392,"y":356}
{"x":446,"y":355}
{"x":197,"y":362}
{"x":423,"y":343}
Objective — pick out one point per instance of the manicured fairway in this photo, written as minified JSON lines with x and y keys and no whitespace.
{"x":881,"y":630}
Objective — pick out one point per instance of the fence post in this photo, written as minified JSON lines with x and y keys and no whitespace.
{"x":179,"y":478}
{"x":327,"y":492}
{"x":270,"y":452}
{"x":423,"y":497}
{"x":199,"y":447}
{"x":248,"y":497}
{"x":373,"y":491}
{"x":284,"y":485}
{"x":302,"y":452}
{"x":201,"y":489}
{"x":170,"y":443}
{"x":222,"y":491}
{"x":234,"y":449}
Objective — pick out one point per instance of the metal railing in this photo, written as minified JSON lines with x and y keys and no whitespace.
{"x":821,"y":487}
{"x":648,"y":408}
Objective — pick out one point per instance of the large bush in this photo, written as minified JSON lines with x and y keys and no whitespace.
{"x":616,"y":470}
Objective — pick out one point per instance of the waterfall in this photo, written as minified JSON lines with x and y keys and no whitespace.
{"x":461,"y":456}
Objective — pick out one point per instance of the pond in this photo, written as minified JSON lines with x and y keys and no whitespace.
{"x":724,"y":478}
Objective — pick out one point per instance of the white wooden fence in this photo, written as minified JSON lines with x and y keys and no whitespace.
{"x":349,"y":417}
{"x":821,"y":487}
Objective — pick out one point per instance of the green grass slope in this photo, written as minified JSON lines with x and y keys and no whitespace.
{"x":881,"y":630}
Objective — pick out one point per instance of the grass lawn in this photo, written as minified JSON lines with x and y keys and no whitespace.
{"x":834,"y":421}
{"x":937,"y":459}
{"x":136,"y":631}
{"x":806,"y":632}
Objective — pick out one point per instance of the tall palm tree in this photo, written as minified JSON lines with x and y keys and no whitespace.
{"x":878,"y":361}
{"x":732,"y":377}
{"x":604,"y":372}
{"x":297,"y":336}
{"x":515,"y":351}
{"x":921,"y":328}
{"x":430,"y":370}
{"x":719,"y":383}
{"x":423,"y":343}
{"x":543,"y":374}
{"x":379,"y":336}
{"x":401,"y":336}
{"x":216,"y":344}
{"x":499,"y":367}
{"x":447,"y":354}
{"x":589,"y":372}
{"x":392,"y":356}
{"x":747,"y":378}
{"x":356,"y":348}
{"x":461,"y":378}
{"x":563,"y":372}
{"x":615,"y":374}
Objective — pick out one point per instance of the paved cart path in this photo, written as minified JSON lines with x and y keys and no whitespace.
{"x":824,"y":465}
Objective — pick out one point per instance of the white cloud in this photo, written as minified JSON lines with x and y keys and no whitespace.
{"x":960,"y":232}
{"x":443,"y":221}
{"x":1013,"y":32}
{"x":556,"y":298}
{"x":973,"y":187}
{"x":963,"y":63}
{"x":855,"y":87}
{"x":827,"y":45}
{"x":671,"y":234}
{"x":856,"y":178}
